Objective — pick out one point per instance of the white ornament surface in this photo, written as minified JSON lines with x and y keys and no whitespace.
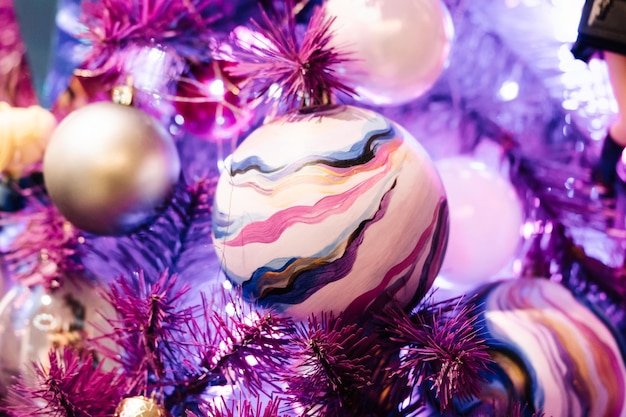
{"x":328,"y":212}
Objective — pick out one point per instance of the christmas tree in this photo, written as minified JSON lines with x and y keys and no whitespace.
{"x":312,"y":208}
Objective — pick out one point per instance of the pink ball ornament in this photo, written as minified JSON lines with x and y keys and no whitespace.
{"x":399,"y":47}
{"x":485,"y":220}
{"x":209,"y":102}
{"x":338,"y":210}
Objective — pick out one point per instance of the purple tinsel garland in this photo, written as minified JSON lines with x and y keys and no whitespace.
{"x":442,"y":350}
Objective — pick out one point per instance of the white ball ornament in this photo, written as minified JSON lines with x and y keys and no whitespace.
{"x":338,"y":210}
{"x":486,"y":217}
{"x":109,"y":168}
{"x":399,"y":48}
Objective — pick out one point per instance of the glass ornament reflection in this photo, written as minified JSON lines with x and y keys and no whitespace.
{"x":35,"y":320}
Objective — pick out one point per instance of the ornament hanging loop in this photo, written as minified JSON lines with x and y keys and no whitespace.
{"x":123,"y":94}
{"x":314,"y":99}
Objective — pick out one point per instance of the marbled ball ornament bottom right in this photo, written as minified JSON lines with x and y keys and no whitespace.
{"x":552,"y":352}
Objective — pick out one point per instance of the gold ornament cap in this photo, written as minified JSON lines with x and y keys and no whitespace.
{"x":140,"y":407}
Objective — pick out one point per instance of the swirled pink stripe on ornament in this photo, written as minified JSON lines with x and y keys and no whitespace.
{"x":269,"y":230}
{"x":365,"y":299}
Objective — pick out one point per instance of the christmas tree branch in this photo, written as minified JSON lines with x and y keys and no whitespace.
{"x":70,"y":386}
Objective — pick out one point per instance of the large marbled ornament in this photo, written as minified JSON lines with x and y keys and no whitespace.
{"x":552,"y":352}
{"x":331,"y":211}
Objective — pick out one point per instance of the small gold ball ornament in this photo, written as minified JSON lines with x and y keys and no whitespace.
{"x":110,"y":167}
{"x":139,"y":407}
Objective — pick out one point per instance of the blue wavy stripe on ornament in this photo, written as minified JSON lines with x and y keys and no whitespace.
{"x":360,"y":153}
{"x":302,"y":285}
{"x":280,"y":264}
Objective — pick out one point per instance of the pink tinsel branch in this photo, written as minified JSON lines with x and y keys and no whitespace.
{"x":303,"y":70}
{"x":114,"y":24}
{"x":237,"y":344}
{"x":48,"y":249}
{"x":71,"y":385}
{"x":244,"y":408}
{"x":16,"y":85}
{"x":444,"y":352}
{"x":148,"y":329}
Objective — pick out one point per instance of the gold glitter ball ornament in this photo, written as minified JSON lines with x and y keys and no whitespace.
{"x":110,"y":168}
{"x":139,"y":407}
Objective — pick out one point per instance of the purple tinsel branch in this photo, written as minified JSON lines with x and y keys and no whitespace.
{"x":237,"y":344}
{"x":243,"y":408}
{"x":114,"y":24}
{"x":72,"y":386}
{"x":443,"y":351}
{"x":331,"y":366}
{"x":303,"y":71}
{"x":190,"y":215}
{"x":179,"y":240}
{"x":48,"y":249}
{"x":563,"y":204}
{"x":149,"y":329}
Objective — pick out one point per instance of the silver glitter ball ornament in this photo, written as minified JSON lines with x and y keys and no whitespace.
{"x":109,"y":168}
